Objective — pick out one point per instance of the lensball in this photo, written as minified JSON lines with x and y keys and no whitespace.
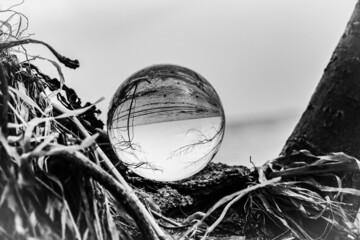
{"x":166,"y":122}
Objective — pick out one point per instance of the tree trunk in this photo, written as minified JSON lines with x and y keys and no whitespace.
{"x":331,"y":121}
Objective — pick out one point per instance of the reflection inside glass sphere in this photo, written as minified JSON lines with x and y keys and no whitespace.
{"x":166,"y":122}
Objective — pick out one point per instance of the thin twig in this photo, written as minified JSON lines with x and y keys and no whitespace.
{"x":176,"y":224}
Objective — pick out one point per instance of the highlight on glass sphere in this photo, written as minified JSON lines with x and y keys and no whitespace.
{"x":166,"y":122}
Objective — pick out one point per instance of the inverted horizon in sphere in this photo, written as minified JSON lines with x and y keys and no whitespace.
{"x":166,"y":122}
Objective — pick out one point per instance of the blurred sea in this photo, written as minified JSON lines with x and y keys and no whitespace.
{"x":260,"y":137}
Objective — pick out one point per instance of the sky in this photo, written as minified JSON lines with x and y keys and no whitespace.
{"x":262,"y":57}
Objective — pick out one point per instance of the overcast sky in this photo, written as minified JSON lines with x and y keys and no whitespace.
{"x":262,"y":56}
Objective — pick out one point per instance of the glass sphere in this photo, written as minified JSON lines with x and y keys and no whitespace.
{"x":166,"y":122}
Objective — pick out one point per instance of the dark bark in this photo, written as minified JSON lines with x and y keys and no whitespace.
{"x":197,"y":193}
{"x":179,"y":200}
{"x":331,"y":121}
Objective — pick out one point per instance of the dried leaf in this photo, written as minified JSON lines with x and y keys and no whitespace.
{"x":72,"y":113}
{"x":27,"y":99}
{"x":64,"y":218}
{"x":32,"y":219}
{"x":5,"y":193}
{"x":11,"y":151}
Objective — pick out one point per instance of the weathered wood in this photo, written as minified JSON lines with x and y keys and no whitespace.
{"x":197,"y":193}
{"x":331,"y":121}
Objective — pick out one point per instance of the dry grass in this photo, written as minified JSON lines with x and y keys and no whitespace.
{"x":43,"y":196}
